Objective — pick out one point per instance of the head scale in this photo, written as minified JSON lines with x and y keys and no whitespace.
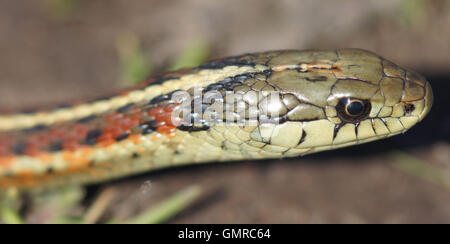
{"x":348,"y":96}
{"x":308,"y":101}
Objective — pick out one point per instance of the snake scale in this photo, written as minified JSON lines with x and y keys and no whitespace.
{"x":254,"y":106}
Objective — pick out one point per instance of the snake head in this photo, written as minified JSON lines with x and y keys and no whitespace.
{"x":298,"y":102}
{"x":332,"y":99}
{"x":370,"y":89}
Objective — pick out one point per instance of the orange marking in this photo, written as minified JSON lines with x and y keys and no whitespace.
{"x":105,"y":136}
{"x":136,"y":139}
{"x":165,"y":117}
{"x":136,"y":116}
{"x":25,"y":173}
{"x":282,"y":67}
{"x":107,"y":142}
{"x":166,"y":129}
{"x":156,"y":137}
{"x":115,"y":131}
{"x":129,"y":123}
{"x":155,"y":111}
{"x":45,"y":157}
{"x":322,"y":67}
{"x":32,"y":150}
{"x":114,"y":116}
{"x":57,"y":133}
{"x":71,"y":145}
{"x":77,"y":161}
{"x":172,"y":107}
{"x":336,"y":68}
{"x":6,"y":161}
{"x":28,"y":179}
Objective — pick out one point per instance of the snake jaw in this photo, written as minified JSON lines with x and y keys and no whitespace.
{"x":429,"y":98}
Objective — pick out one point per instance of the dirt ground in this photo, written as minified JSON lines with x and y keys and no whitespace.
{"x":57,"y":50}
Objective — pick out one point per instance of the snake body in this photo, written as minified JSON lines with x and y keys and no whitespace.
{"x":254,"y":106}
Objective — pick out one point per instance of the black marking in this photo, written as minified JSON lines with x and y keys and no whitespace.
{"x":386,"y":125}
{"x":62,"y":106}
{"x":336,"y":129}
{"x":149,"y":127}
{"x":173,"y":92}
{"x":50,"y":170}
{"x":36,"y":128}
{"x":147,"y":131}
{"x":264,"y":119}
{"x":213,"y":87}
{"x":373,"y":126}
{"x":33,"y":110}
{"x":29,"y":111}
{"x":158,"y":80}
{"x":303,"y":138}
{"x":92,"y":136}
{"x":152,"y":124}
{"x":123,"y":136}
{"x":356,"y":129}
{"x":231,"y":85}
{"x":159,"y":99}
{"x":20,"y":147}
{"x":125,"y":108}
{"x":163,"y":97}
{"x":135,"y":155}
{"x":87,"y":119}
{"x":317,"y":78}
{"x":268,"y":72}
{"x":100,"y":99}
{"x":356,"y":79}
{"x":352,"y":65}
{"x":191,"y":127}
{"x":243,"y":77}
{"x":56,"y":146}
{"x":409,"y":108}
{"x":143,"y":126}
{"x":221,"y":63}
{"x":226,"y":80}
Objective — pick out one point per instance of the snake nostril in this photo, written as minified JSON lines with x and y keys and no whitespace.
{"x":409,"y":108}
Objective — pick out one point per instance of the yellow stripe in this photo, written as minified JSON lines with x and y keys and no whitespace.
{"x":202,"y":78}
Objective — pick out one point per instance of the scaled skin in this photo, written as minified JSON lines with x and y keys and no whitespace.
{"x":134,"y":132}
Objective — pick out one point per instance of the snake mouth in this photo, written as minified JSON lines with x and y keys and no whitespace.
{"x":428,"y":98}
{"x":417,"y":97}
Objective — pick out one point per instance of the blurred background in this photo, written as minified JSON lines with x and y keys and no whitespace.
{"x":54,"y":51}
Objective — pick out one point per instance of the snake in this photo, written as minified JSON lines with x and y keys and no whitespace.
{"x":272,"y":104}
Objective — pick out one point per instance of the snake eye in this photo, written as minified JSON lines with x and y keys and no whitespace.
{"x":352,"y":109}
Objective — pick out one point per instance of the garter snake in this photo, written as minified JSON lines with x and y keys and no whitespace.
{"x":254,"y":106}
